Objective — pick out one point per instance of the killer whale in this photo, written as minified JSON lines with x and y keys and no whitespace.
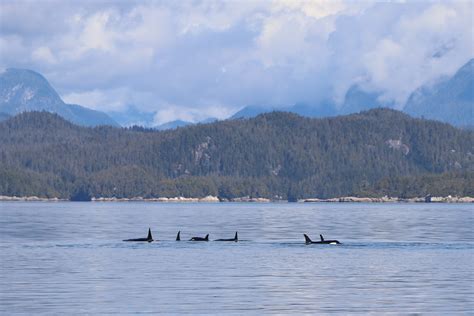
{"x":149,"y":238}
{"x":178,"y":237}
{"x":236,"y":238}
{"x":309,"y":241}
{"x":200,"y":238}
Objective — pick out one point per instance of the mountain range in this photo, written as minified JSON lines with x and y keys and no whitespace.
{"x":132,"y":116}
{"x":274,"y":155}
{"x":450,"y":99}
{"x":25,"y":90}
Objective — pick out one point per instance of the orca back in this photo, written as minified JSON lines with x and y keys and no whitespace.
{"x":149,"y":238}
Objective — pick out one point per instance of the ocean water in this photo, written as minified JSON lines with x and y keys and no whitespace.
{"x":69,"y":258}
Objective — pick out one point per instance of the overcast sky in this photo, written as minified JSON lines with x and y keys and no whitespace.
{"x":196,"y":59}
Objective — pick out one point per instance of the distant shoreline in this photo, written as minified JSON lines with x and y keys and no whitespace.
{"x":213,"y":199}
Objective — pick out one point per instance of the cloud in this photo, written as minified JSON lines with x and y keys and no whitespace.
{"x":43,"y":54}
{"x":191,"y":114}
{"x":187,"y":60}
{"x":115,"y":99}
{"x":95,"y":99}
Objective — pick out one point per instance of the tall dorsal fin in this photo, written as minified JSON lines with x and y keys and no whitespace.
{"x":207,"y":237}
{"x":307,"y":239}
{"x":236,"y":236}
{"x":149,"y":235}
{"x":322,"y":238}
{"x":178,"y":237}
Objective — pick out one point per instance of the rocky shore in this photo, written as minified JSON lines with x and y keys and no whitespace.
{"x":29,"y":198}
{"x":206,"y":199}
{"x":385,"y":199}
{"x":214,"y":199}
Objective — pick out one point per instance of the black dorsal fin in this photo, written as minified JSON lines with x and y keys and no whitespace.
{"x":322,"y":238}
{"x":236,"y":236}
{"x":149,"y":235}
{"x":207,"y":237}
{"x":307,"y":239}
{"x":178,"y":237}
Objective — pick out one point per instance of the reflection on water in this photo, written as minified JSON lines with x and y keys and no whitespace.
{"x":69,"y":258}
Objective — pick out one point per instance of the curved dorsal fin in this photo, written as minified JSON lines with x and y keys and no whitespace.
{"x":307,"y":239}
{"x":207,"y":237}
{"x":322,"y":238}
{"x":149,"y":237}
{"x":178,"y":237}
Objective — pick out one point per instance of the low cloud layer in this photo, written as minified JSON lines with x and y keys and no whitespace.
{"x":189,"y":60}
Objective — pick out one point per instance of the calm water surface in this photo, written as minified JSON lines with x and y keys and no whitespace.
{"x":68,"y":258}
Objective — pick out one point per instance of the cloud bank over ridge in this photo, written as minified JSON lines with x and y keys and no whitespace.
{"x":194,"y":59}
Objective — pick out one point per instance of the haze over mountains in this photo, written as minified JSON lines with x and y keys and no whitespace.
{"x":133,"y":116}
{"x":450,"y":100}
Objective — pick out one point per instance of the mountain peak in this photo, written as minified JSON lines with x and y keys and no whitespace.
{"x":451,"y":100}
{"x":24,"y":71}
{"x":24,"y":90}
{"x":466,"y":70}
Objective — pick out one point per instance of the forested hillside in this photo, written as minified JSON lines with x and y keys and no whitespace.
{"x":277,"y":154}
